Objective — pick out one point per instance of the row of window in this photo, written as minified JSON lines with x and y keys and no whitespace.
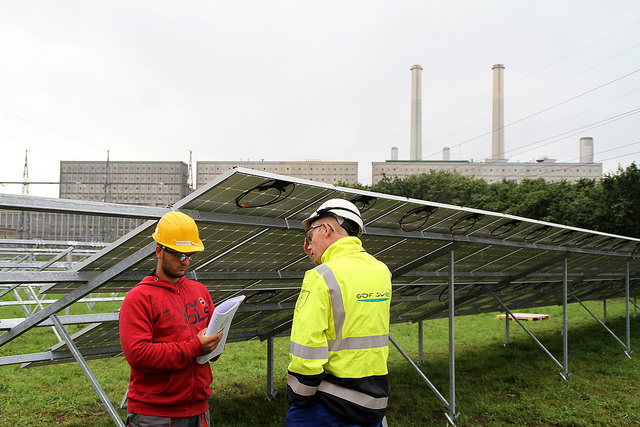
{"x":478,"y":169}
{"x":221,"y":169}
{"x":146,"y":198}
{"x":114,"y":188}
{"x":99,"y":167}
{"x":113,"y":178}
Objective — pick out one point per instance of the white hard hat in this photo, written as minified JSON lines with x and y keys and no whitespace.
{"x":342,"y":210}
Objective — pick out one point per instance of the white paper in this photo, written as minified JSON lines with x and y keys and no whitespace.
{"x":221,"y":321}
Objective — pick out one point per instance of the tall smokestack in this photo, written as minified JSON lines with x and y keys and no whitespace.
{"x":586,"y":150}
{"x":497,"y":142}
{"x":416,"y":113}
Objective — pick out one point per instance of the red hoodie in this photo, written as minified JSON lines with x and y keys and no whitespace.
{"x":159,"y":322}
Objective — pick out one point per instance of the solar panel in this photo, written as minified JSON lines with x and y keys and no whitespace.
{"x":250,"y":222}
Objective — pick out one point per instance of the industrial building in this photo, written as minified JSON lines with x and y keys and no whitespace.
{"x":328,"y":172}
{"x":137,"y":182}
{"x":494,"y":169}
{"x":142,"y":183}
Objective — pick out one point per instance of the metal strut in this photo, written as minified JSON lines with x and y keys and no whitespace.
{"x":420,"y":373}
{"x":627,"y":349}
{"x":452,"y":415}
{"x":510,"y":315}
{"x":270,"y":395}
{"x":87,"y":371}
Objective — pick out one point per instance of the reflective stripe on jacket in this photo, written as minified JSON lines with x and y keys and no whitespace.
{"x":340,"y":335}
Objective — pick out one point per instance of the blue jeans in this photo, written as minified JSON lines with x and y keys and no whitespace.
{"x":315,"y":415}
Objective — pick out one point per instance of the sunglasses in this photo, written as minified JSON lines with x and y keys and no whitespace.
{"x":182,"y":257}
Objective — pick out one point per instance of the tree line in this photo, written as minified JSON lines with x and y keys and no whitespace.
{"x":610,"y":204}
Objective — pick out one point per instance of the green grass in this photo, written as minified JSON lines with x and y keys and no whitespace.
{"x":495,"y":385}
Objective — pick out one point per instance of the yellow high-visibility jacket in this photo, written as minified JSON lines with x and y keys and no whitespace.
{"x":340,"y":335}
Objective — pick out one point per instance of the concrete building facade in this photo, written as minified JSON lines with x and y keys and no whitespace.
{"x":140,"y":183}
{"x":491,"y":171}
{"x":327,"y":172}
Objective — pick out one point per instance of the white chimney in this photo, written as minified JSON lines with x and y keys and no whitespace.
{"x":497,"y":141}
{"x":446,"y":154}
{"x":415,"y":152}
{"x":394,"y":153}
{"x":586,"y":149}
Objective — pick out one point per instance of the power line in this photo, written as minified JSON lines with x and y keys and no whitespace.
{"x":574,"y":132}
{"x":51,"y":130}
{"x":548,"y":108}
{"x":579,"y":51}
{"x":95,"y":113}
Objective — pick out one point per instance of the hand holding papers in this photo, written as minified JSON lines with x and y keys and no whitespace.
{"x":221,"y":321}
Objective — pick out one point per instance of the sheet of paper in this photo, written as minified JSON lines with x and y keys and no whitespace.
{"x":221,"y":321}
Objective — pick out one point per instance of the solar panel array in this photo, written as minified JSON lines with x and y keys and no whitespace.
{"x":250,"y":221}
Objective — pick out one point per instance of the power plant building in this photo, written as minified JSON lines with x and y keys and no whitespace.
{"x":490,"y":171}
{"x":328,"y":172}
{"x":494,"y":169}
{"x":138,"y":183}
{"x":146,"y":183}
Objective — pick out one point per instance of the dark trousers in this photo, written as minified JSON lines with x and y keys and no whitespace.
{"x":317,"y":416}
{"x":138,"y":420}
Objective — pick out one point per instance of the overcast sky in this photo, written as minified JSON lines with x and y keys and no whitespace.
{"x":322,"y":80}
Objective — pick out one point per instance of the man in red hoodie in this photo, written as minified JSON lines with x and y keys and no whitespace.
{"x":163,"y":320}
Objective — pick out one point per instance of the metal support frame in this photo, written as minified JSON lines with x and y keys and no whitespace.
{"x":627,"y":281}
{"x":420,"y":360}
{"x":507,"y":337}
{"x":565,"y":336}
{"x":270,"y":394}
{"x":90,"y":281}
{"x":87,"y":371}
{"x":76,"y":294}
{"x":627,"y":346}
{"x":564,"y":374}
{"x":420,"y":373}
{"x":50,"y":311}
{"x":452,"y":415}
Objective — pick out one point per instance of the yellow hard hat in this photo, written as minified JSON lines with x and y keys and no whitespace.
{"x":179,"y":232}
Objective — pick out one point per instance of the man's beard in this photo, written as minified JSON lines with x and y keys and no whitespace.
{"x":170,"y":273}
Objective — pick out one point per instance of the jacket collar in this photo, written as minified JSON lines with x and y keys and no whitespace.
{"x":345,"y":246}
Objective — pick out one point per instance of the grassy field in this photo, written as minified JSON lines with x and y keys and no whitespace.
{"x":495,"y":385}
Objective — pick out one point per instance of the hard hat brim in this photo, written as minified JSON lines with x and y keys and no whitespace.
{"x":193,"y":247}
